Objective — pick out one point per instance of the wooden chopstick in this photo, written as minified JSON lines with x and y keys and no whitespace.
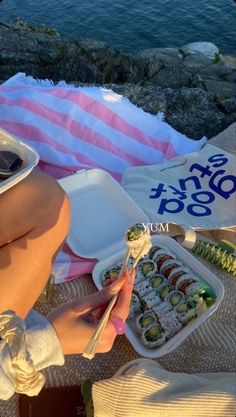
{"x":138,"y":257}
{"x":90,"y":349}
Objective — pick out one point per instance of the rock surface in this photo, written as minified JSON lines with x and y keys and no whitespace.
{"x":194,"y":86}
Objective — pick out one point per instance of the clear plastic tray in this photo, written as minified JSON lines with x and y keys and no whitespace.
{"x":29,"y":156}
{"x":193,"y":264}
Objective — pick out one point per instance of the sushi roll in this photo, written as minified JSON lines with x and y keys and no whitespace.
{"x":111,"y":273}
{"x":138,"y":276}
{"x":151,"y":299}
{"x":147,"y":267}
{"x":176,"y":273}
{"x":165,"y":289}
{"x":162,"y":256}
{"x":138,"y":237}
{"x":186,"y":310}
{"x":167,"y":267}
{"x":185,"y":281}
{"x":135,"y":305}
{"x":153,"y":250}
{"x":175,"y":297}
{"x":157,"y":280}
{"x":143,"y":287}
{"x":145,"y":320}
{"x":153,"y":336}
{"x":162,"y":308}
{"x":170,"y":324}
{"x":193,"y":290}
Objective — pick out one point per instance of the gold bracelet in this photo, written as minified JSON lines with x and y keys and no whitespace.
{"x":12,"y":331}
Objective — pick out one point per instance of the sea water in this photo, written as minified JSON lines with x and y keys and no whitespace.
{"x":133,"y":24}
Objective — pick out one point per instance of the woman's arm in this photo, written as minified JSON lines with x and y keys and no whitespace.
{"x":68,"y":330}
{"x":43,"y":347}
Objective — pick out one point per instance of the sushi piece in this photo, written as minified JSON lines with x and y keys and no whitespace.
{"x":176,"y":273}
{"x":186,"y":310}
{"x":143,"y":287}
{"x":153,"y":336}
{"x":111,"y":273}
{"x":151,"y":299}
{"x":154,"y":249}
{"x":135,"y":305}
{"x":193,"y":290}
{"x":138,"y":276}
{"x":138,"y":237}
{"x":185,"y":281}
{"x":157,"y":280}
{"x":147,"y":267}
{"x":165,"y":289}
{"x":175,"y":297}
{"x":162,"y":308}
{"x":161,"y":256}
{"x":144,"y":320}
{"x":167,"y":267}
{"x":170,"y":324}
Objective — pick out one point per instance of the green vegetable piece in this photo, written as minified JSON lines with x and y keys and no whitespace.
{"x":112,"y":273}
{"x":182,"y":308}
{"x":175,"y":299}
{"x":227,"y":245}
{"x":153,"y":333}
{"x":144,"y":306}
{"x":166,"y":290}
{"x":146,"y":321}
{"x":206,"y":291}
{"x":209,"y":301}
{"x":156,"y":281}
{"x":86,"y":391}
{"x":135,"y":231}
{"x":191,"y":304}
{"x":89,"y":410}
{"x":147,"y":267}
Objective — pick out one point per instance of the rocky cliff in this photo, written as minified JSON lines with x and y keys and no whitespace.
{"x":194,"y":86}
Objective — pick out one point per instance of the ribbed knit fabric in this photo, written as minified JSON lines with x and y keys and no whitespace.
{"x":143,"y":389}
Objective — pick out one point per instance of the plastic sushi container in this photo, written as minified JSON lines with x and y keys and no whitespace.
{"x":101,"y":212}
{"x":29,"y":156}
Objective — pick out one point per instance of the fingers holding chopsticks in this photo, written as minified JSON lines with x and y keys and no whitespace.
{"x":72,"y":323}
{"x":120,"y":312}
{"x":100,"y":298}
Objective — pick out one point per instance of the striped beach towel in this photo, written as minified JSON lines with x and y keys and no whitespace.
{"x":88,"y":127}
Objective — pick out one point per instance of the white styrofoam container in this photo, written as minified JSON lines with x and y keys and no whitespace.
{"x":29,"y":156}
{"x":101,"y":212}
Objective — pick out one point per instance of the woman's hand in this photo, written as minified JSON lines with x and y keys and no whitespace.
{"x":76,"y":321}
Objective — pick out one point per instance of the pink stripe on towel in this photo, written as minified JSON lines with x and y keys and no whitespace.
{"x":77,"y":128}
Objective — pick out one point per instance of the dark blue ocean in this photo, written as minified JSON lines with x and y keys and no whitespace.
{"x":133,"y":24}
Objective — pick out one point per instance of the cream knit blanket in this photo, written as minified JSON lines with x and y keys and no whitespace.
{"x":142,"y":388}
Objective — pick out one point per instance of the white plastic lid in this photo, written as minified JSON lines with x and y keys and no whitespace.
{"x":101,"y":212}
